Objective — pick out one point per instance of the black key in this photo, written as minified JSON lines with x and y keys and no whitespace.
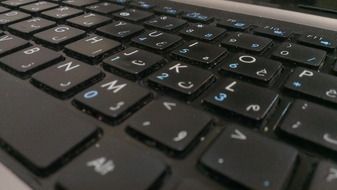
{"x":30,"y":60}
{"x":319,"y":41}
{"x":200,"y":53}
{"x":234,"y":24}
{"x":185,"y":79}
{"x":62,"y":13}
{"x":313,"y":123}
{"x":12,"y":17}
{"x":203,"y":32}
{"x":165,"y":23}
{"x":120,"y":30}
{"x":133,"y":62}
{"x":157,"y":40}
{"x":247,"y":42}
{"x":31,"y":26}
{"x":253,"y":67}
{"x":17,"y":3}
{"x":325,"y":177}
{"x":113,"y":164}
{"x":79,"y":3}
{"x":38,"y":7}
{"x":10,"y":43}
{"x":89,"y":21}
{"x":92,"y":48}
{"x":302,"y":55}
{"x":171,"y":124}
{"x":190,"y":184}
{"x":273,"y":32}
{"x":197,"y":17}
{"x":234,"y":95}
{"x":167,"y":10}
{"x":104,"y":8}
{"x":250,"y":159}
{"x":36,"y":131}
{"x":3,"y":9}
{"x":69,"y":77}
{"x":59,"y":35}
{"x":142,"y":4}
{"x":113,"y":98}
{"x":315,"y":84}
{"x":133,"y":15}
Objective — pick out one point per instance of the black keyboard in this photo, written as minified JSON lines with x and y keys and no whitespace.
{"x":146,"y":95}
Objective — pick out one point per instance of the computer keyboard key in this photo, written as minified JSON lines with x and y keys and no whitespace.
{"x":104,"y":8}
{"x":38,"y":7}
{"x":120,"y":30}
{"x":113,"y":164}
{"x":17,"y":3}
{"x":325,"y":177}
{"x":315,"y":84}
{"x":141,"y":4}
{"x":133,"y":62}
{"x":247,"y":42}
{"x":197,"y":17}
{"x":312,"y":123}
{"x":114,"y":98}
{"x":168,"y":10}
{"x":200,"y":53}
{"x":12,"y":17}
{"x":202,"y":32}
{"x":92,"y":48}
{"x":300,"y":54}
{"x":180,"y":77}
{"x":250,"y":159}
{"x":273,"y":32}
{"x":43,"y":134}
{"x":156,"y":40}
{"x":253,"y":67}
{"x":234,"y":24}
{"x":61,"y":13}
{"x":170,"y":123}
{"x":69,"y":77}
{"x":318,"y":41}
{"x":59,"y":35}
{"x":165,"y":23}
{"x":31,"y":26}
{"x":244,"y":99}
{"x":79,"y":3}
{"x":133,"y":15}
{"x":121,"y":2}
{"x":89,"y":21}
{"x":10,"y":43}
{"x":30,"y":60}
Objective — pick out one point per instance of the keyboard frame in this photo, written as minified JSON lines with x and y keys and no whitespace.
{"x":187,"y":167}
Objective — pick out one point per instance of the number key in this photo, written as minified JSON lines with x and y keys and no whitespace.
{"x":234,"y":98}
{"x":185,"y":79}
{"x":203,"y":32}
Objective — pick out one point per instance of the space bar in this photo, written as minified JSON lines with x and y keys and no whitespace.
{"x":36,"y":129}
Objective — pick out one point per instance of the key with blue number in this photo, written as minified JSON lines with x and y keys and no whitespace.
{"x":244,"y":99}
{"x":306,"y":56}
{"x":113,"y":98}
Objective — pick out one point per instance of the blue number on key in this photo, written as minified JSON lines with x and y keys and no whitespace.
{"x":220,"y":97}
{"x":90,"y":94}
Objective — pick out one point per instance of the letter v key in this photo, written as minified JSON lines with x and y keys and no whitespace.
{"x":238,"y":135}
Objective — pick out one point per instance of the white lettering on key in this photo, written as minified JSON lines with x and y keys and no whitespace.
{"x":230,"y":86}
{"x":169,"y":105}
{"x":113,"y":86}
{"x":68,"y":66}
{"x":177,"y":67}
{"x":306,"y":73}
{"x":181,"y":136}
{"x":102,"y":166}
{"x":332,"y":175}
{"x":329,"y":139}
{"x":238,"y":135}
